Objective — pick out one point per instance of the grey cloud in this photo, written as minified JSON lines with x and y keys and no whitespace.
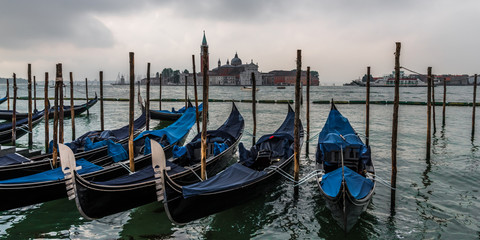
{"x":24,"y":23}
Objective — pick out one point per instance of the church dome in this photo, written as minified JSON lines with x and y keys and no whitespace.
{"x":236,"y":61}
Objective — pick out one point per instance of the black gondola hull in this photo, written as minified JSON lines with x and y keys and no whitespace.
{"x":183,"y":210}
{"x":20,"y":195}
{"x":164,"y":116}
{"x":97,"y":201}
{"x":353,"y":208}
{"x":43,"y":162}
{"x":78,"y":109}
{"x":20,"y":131}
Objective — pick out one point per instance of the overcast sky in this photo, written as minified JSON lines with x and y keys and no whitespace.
{"x":339,"y":39}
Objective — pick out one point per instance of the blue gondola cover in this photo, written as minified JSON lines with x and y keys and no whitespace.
{"x":175,"y":131}
{"x":357,"y":185}
{"x":12,"y":158}
{"x":116,"y":151}
{"x":234,"y":176}
{"x":54,"y":174}
{"x":330,"y":138}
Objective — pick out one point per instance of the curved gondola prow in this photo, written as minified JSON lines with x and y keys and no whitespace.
{"x":67,"y":160}
{"x":159,"y":165}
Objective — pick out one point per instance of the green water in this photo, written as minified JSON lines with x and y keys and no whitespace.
{"x":436,"y":199}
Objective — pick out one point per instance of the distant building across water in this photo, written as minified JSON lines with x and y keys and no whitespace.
{"x":235,"y":73}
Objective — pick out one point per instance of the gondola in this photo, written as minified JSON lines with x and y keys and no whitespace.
{"x":2,"y":100}
{"x":91,"y":146}
{"x":171,"y":115}
{"x":256,"y":172}
{"x":50,"y":185}
{"x":78,"y":109}
{"x":21,"y":128}
{"x":96,"y":199}
{"x":345,"y":171}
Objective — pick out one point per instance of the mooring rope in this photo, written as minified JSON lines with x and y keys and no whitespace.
{"x":312,"y":138}
{"x":312,"y":174}
{"x":281,"y":172}
{"x":381,"y":181}
{"x":189,"y":168}
{"x":126,"y":167}
{"x":290,"y":177}
{"x":25,"y":130}
{"x":249,"y":133}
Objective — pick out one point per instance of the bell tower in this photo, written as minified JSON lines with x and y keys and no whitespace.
{"x":204,"y":44}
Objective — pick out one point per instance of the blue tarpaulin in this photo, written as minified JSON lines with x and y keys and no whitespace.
{"x":54,"y":174}
{"x":330,"y":138}
{"x":177,"y":130}
{"x":234,"y":176}
{"x":357,"y":185}
{"x":116,"y":151}
{"x":94,"y":137}
{"x":89,"y":145}
{"x":12,"y":158}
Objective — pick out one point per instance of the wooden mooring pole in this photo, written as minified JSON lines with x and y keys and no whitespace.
{"x":86,"y":94}
{"x":254,"y":107}
{"x":102,"y":125}
{"x":307,"y":150}
{"x":160,"y":93}
{"x":474,"y":104}
{"x":393,"y":181}
{"x":433,"y":107}
{"x":296,"y":133}
{"x":8,"y":95}
{"x":61,"y":115}
{"x":34,"y":93}
{"x":147,"y":104}
{"x":55,"y":117}
{"x":72,"y":110}
{"x":14,"y":115}
{"x":186,"y":94}
{"x":367,"y":110}
{"x":444,"y":100}
{"x":46,"y":111}
{"x":196,"y":94}
{"x":429,"y":111}
{"x":205,"y":112}
{"x":131,"y":111}
{"x":30,"y":110}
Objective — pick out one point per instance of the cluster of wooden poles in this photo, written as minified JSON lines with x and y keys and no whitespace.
{"x":58,"y":114}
